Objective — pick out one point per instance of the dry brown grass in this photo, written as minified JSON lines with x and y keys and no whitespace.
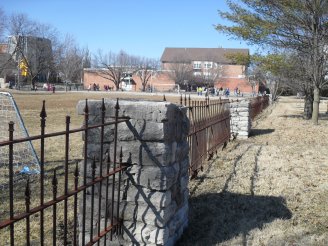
{"x":269,"y":190}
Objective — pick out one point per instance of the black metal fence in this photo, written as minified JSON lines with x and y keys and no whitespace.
{"x":54,"y":218}
{"x":209,"y":129}
{"x":257,"y":105}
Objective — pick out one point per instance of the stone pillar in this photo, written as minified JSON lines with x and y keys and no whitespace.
{"x":240,"y":119}
{"x":154,"y":141}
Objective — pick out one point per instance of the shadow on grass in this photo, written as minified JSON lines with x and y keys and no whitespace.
{"x":322,"y":116}
{"x":217,"y":217}
{"x":292,"y":116}
{"x":258,"y":132}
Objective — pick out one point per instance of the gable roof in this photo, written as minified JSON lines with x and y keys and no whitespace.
{"x":199,"y":54}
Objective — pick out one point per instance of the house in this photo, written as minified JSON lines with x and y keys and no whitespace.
{"x":216,"y":66}
{"x":32,"y":52}
{"x":8,"y":67}
{"x":22,"y":56}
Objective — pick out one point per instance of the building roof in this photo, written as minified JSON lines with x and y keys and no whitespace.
{"x":188,"y":55}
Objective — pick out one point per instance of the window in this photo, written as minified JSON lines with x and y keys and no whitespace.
{"x":208,"y":65}
{"x":197,"y":65}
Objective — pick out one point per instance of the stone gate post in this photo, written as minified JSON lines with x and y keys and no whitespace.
{"x":155,"y":192}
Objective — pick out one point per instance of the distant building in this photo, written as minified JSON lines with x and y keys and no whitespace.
{"x":20,"y":51}
{"x":29,"y":46}
{"x":8,"y":67}
{"x":205,"y":61}
{"x":201,"y":61}
{"x":130,"y":82}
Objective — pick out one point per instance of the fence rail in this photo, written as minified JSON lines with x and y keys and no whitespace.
{"x":209,"y":129}
{"x":257,"y":105}
{"x":65,"y":211}
{"x":70,"y":199}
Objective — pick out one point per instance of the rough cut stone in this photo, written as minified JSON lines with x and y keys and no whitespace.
{"x":141,"y":194}
{"x":153,"y":194}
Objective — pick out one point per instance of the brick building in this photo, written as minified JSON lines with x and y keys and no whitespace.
{"x":201,"y":61}
{"x":159,"y":81}
{"x":205,"y":61}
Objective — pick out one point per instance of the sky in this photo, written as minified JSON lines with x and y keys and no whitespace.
{"x":139,"y":27}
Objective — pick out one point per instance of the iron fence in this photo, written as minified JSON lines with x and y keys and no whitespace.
{"x":60,"y":211}
{"x":209,"y":129}
{"x":257,"y":105}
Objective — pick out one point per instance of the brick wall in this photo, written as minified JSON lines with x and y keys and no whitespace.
{"x":161,"y":81}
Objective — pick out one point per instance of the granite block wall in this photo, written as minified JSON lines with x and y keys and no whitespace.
{"x":154,"y":190}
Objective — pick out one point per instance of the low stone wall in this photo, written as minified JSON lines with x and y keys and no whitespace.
{"x":242,"y":112}
{"x":155,"y":190}
{"x":240,"y":119}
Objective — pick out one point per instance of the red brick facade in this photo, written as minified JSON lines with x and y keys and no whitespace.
{"x":232,"y":76}
{"x":159,"y":81}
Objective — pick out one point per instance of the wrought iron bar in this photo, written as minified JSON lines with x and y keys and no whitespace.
{"x":68,"y":121}
{"x":85,"y":162}
{"x":102,"y":130}
{"x":43,"y":116}
{"x":117,"y":108}
{"x":27,"y":210}
{"x":76,"y":182}
{"x":54,"y":208}
{"x":106,"y":198}
{"x":11,"y":182}
{"x":119,"y":192}
{"x":93,"y":174}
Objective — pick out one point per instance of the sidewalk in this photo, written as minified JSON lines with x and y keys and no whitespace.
{"x":271,"y":189}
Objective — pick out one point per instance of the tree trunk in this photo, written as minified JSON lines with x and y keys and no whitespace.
{"x":33,"y":84}
{"x":308,"y":106}
{"x":316,"y":102}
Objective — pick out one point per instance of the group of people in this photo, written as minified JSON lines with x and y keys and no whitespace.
{"x":213,"y":91}
{"x":49,"y":87}
{"x":94,"y":87}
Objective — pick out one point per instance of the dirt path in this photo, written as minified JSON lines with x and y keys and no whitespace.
{"x":271,"y":189}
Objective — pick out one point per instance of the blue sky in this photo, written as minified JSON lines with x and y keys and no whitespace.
{"x":139,"y":27}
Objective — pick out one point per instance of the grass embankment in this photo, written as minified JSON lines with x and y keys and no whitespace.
{"x":271,"y":189}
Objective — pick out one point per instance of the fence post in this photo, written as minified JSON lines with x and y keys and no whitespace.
{"x":152,"y":196}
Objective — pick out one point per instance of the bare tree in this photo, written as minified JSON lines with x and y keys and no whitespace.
{"x":115,"y":67}
{"x":147,"y":69}
{"x":180,"y":73}
{"x":31,"y":46}
{"x":209,"y":75}
{"x":70,"y":60}
{"x":3,"y":20}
